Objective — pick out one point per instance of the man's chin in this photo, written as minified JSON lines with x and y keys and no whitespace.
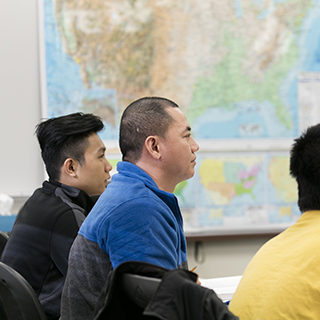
{"x":191,"y":174}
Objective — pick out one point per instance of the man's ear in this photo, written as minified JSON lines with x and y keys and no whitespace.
{"x":70,"y":167}
{"x":152,"y":146}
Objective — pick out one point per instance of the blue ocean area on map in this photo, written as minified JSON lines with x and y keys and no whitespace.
{"x":275,"y":215}
{"x":248,"y":119}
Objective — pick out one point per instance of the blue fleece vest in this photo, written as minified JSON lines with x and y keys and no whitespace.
{"x":135,"y":220}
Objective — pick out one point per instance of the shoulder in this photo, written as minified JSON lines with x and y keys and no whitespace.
{"x":43,"y":210}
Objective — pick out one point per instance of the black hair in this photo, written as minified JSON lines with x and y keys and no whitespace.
{"x":65,"y":137}
{"x":141,"y":119}
{"x":305,"y":168}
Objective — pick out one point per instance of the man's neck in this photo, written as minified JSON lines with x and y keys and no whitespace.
{"x":157,"y":175}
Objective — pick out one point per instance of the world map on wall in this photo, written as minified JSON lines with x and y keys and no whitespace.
{"x":232,"y":66}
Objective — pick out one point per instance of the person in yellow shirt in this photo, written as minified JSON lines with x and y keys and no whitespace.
{"x":282,"y":280}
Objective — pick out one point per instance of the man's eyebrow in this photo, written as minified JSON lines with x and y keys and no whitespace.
{"x":102,"y":149}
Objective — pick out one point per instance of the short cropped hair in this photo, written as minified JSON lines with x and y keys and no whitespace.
{"x":141,"y":119}
{"x":305,"y":168}
{"x":65,"y":137}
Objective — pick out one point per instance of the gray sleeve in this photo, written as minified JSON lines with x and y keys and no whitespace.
{"x":87,"y":272}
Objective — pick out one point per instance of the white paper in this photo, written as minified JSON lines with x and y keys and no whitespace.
{"x":223,"y":287}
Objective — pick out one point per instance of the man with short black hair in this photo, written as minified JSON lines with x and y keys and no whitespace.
{"x":137,"y":217}
{"x":40,"y":241}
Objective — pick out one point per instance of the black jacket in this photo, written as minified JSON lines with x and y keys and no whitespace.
{"x":40,"y":241}
{"x":178,"y":297}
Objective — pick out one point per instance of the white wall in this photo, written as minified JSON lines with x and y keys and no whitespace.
{"x":226,"y":256}
{"x":21,"y":168}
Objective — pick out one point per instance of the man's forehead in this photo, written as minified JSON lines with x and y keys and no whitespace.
{"x":95,"y":143}
{"x":176,"y":114}
{"x":179,"y":118}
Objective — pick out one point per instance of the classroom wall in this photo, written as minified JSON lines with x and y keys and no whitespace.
{"x":21,"y":168}
{"x":226,"y":256}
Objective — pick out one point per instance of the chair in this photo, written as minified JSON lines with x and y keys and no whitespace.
{"x":139,"y":289}
{"x":128,"y":290}
{"x":19,"y":301}
{"x":3,"y":240}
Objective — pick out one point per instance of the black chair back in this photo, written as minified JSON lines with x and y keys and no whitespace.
{"x":3,"y":241}
{"x":139,"y":289}
{"x":18,"y":299}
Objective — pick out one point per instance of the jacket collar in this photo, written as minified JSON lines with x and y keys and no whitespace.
{"x":78,"y":196}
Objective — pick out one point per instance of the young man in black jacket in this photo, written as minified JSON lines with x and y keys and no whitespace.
{"x":41,"y":238}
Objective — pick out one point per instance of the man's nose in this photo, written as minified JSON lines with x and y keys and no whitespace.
{"x":195,"y":146}
{"x":108,"y":166}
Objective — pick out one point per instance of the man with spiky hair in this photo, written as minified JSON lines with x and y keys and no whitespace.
{"x":138,"y":217}
{"x":40,"y":241}
{"x":282,"y":280}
